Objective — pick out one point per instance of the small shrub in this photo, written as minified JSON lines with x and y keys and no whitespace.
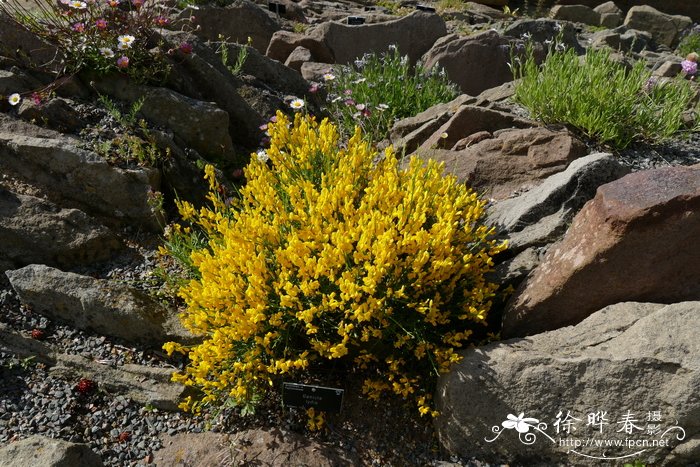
{"x":104,"y":36}
{"x":379,"y":89}
{"x":328,"y":256}
{"x":602,"y":98}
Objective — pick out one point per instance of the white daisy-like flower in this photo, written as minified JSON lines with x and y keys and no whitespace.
{"x":328,"y":76}
{"x":78,"y":5}
{"x":122,"y":46}
{"x":106,"y":52}
{"x":297,"y":104}
{"x":262,"y":156}
{"x":126,"y":40}
{"x":382,"y":106}
{"x":359,"y":80}
{"x":14,"y":99}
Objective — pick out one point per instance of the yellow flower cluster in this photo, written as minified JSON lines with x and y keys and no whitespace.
{"x":335,"y":253}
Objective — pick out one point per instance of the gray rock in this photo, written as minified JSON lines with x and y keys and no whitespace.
{"x":11,"y":82}
{"x":563,"y":194}
{"x":36,"y":231}
{"x":40,"y":451}
{"x":636,"y":358}
{"x":512,"y":271}
{"x":541,"y":30}
{"x":235,"y":22}
{"x":18,"y":43}
{"x":314,"y":71}
{"x":666,"y":29}
{"x":58,"y":114}
{"x":78,"y":178}
{"x":608,"y":8}
{"x":24,"y":346}
{"x":623,"y":39}
{"x":298,"y":57}
{"x":96,"y":305}
{"x":610,"y":20}
{"x":668,"y":69}
{"x":143,"y":384}
{"x":575,"y":14}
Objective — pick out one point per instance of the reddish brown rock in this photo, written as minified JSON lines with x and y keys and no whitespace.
{"x":637,"y":240}
{"x":512,"y":160}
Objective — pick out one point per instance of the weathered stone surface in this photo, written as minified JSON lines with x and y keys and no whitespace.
{"x":143,"y":384}
{"x":562,"y":194}
{"x":298,"y":57}
{"x":666,"y":29}
{"x":409,"y":133}
{"x":283,"y":44}
{"x":236,"y":23}
{"x":470,"y":119}
{"x":76,"y":177}
{"x":635,"y":357}
{"x":413,"y":35}
{"x":610,"y":20}
{"x":608,"y":7}
{"x":514,"y":160}
{"x":314,"y":71}
{"x":623,"y":39}
{"x":14,"y":81}
{"x":17,"y":42}
{"x":36,"y":231}
{"x":465,"y":58}
{"x":673,"y":7}
{"x":58,"y":114}
{"x":668,"y":69}
{"x":40,"y":451}
{"x":96,"y":305}
{"x":575,"y":14}
{"x":256,"y":446}
{"x":24,"y":346}
{"x":636,"y":240}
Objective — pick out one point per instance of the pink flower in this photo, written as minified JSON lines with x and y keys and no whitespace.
{"x":689,"y":67}
{"x":123,"y":62}
{"x":186,"y":48}
{"x":78,"y":27}
{"x":348,"y":92}
{"x":161,"y":21}
{"x":101,"y":24}
{"x":349,"y":102}
{"x":314,"y":88}
{"x":137,"y":3}
{"x":36,"y":98}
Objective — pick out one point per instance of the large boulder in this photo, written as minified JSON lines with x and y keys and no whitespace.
{"x":41,"y":451}
{"x":335,"y":42}
{"x":33,"y":230}
{"x":77,"y":178}
{"x":674,"y":7}
{"x":575,"y":14}
{"x":629,"y":361}
{"x":537,"y":216}
{"x":513,"y":160}
{"x":636,"y":240}
{"x":465,"y":58}
{"x":235,"y":22}
{"x":96,"y":305}
{"x":666,"y":29}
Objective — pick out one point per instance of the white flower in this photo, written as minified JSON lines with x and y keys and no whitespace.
{"x":359,"y":80}
{"x":14,"y":99}
{"x":106,"y":52}
{"x":328,"y":77}
{"x":521,"y":425}
{"x":382,"y":106}
{"x":78,"y":5}
{"x":262,"y":156}
{"x":297,"y":104}
{"x":360,"y":107}
{"x":392,"y":47}
{"x":125,"y":41}
{"x":560,"y":47}
{"x":526,"y":36}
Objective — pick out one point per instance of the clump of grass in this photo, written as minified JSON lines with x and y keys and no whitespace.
{"x":379,"y":89}
{"x":603,"y":99}
{"x":690,"y":43}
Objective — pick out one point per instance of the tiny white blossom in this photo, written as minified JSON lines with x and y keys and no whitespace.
{"x":78,"y":5}
{"x":328,"y":76}
{"x":106,"y":52}
{"x":14,"y":99}
{"x":125,"y":39}
{"x":262,"y":156}
{"x":297,"y":104}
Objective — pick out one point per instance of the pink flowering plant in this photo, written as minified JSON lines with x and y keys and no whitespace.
{"x":100,"y":35}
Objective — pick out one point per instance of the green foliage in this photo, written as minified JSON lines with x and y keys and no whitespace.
{"x":690,"y":43}
{"x":379,"y":89}
{"x":102,"y":37}
{"x":602,"y":98}
{"x":241,"y":58}
{"x":329,"y":256}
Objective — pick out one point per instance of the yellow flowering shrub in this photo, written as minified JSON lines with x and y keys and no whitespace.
{"x":331,"y":254}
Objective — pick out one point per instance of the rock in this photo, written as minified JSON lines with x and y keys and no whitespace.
{"x":40,"y":451}
{"x":260,"y":446}
{"x":666,"y":29}
{"x":470,"y":119}
{"x":11,"y":82}
{"x":608,"y":8}
{"x":465,"y":58}
{"x":512,"y":271}
{"x":235,"y":22}
{"x":578,"y":370}
{"x":24,"y":346}
{"x":622,"y":39}
{"x":314,"y":71}
{"x":409,"y":133}
{"x":499,"y":93}
{"x":487,"y":13}
{"x":143,"y":384}
{"x":412,"y":34}
{"x":542,"y":30}
{"x":26,"y":47}
{"x":298,"y":57}
{"x":575,"y":14}
{"x":498,"y":3}
{"x":36,"y":231}
{"x":96,"y":305}
{"x":561,"y":195}
{"x":58,"y":114}
{"x":283,"y":43}
{"x":668,"y":69}
{"x":513,"y":160}
{"x":203,"y":126}
{"x":77,"y":178}
{"x":610,"y":20}
{"x":634,"y":241}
